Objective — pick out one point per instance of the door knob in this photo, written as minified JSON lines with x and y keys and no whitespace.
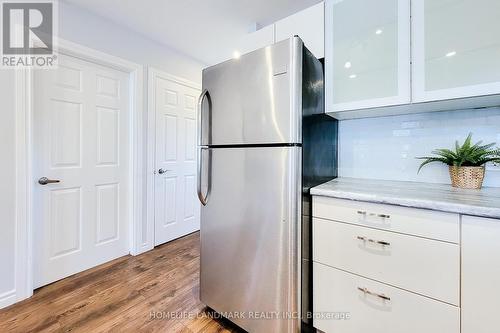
{"x":45,"y":181}
{"x":162,"y":171}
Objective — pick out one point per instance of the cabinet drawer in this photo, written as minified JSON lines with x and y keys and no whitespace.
{"x":420,"y":265}
{"x":337,"y":291}
{"x":412,"y":221}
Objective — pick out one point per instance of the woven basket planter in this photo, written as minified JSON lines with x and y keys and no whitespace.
{"x":467,"y":177}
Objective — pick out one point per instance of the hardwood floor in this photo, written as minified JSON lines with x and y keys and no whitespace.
{"x":129,"y":294}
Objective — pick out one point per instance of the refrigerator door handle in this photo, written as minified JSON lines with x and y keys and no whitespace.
{"x":204,"y":198}
{"x":204,"y":94}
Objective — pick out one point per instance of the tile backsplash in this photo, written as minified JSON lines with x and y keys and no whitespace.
{"x":385,"y":148}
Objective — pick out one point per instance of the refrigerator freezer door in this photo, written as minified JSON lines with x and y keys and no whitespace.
{"x":249,"y":233}
{"x":255,"y":99}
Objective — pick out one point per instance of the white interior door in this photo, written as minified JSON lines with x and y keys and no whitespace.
{"x":81,"y":138}
{"x":177,"y":210}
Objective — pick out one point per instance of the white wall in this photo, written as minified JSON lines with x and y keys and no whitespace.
{"x":82,"y":27}
{"x":7,"y":184}
{"x":385,"y":148}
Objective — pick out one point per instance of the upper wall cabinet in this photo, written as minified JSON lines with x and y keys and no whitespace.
{"x":256,"y":40}
{"x":456,"y":48}
{"x":307,"y":24}
{"x":367,"y":53}
{"x":453,"y":57}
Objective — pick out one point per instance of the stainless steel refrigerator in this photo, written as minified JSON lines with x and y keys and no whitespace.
{"x":263,"y":141}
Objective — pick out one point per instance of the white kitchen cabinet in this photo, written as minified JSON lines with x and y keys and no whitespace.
{"x":424,"y":266}
{"x":383,"y":264}
{"x":247,"y":43}
{"x":309,"y":25}
{"x":349,"y":303}
{"x":453,"y":56}
{"x":367,"y":53}
{"x":480,"y":274}
{"x":456,"y":48}
{"x":418,"y":222}
{"x":255,"y":40}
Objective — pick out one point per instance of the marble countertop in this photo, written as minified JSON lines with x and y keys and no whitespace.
{"x":484,"y":202}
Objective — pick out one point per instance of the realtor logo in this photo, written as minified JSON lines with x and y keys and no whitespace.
{"x":28,"y":34}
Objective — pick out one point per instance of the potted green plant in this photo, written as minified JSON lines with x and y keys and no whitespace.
{"x":466,"y":163}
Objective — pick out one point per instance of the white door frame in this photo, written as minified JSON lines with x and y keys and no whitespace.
{"x":153,"y":73}
{"x":138,"y":240}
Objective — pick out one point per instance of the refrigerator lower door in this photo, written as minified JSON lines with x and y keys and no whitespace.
{"x":249,"y":237}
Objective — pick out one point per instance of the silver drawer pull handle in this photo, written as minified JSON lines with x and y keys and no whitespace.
{"x":367,"y":292}
{"x":380,"y":242}
{"x":384,"y":216}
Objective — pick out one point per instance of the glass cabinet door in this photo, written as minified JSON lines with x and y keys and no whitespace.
{"x":456,"y":48}
{"x":367,"y":59}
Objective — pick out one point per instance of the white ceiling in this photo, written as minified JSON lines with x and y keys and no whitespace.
{"x":202,"y":29}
